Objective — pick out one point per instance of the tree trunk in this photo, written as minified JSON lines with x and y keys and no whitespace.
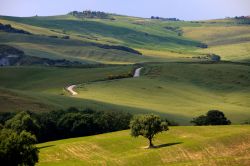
{"x":150,"y":143}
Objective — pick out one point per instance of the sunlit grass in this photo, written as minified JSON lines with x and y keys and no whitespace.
{"x":218,"y":145}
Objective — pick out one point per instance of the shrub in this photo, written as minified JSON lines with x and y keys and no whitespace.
{"x":213,"y":117}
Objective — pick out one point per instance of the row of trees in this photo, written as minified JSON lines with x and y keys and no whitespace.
{"x":164,"y":19}
{"x":243,"y":20}
{"x":90,"y":14}
{"x":68,"y":123}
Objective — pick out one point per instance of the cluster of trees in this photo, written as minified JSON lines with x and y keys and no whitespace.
{"x":20,"y":132}
{"x":68,"y":123}
{"x":213,"y":117}
{"x":210,"y":57}
{"x":17,"y":148}
{"x":18,"y":139}
{"x":120,"y":76}
{"x":164,"y":19}
{"x":202,"y":45}
{"x":242,"y":19}
{"x":90,"y":14}
{"x":63,"y":37}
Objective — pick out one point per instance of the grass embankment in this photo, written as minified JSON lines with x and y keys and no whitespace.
{"x":217,"y":145}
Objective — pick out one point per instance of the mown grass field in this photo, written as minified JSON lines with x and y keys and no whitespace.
{"x":217,"y":145}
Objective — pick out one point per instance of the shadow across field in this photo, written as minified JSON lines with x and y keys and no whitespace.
{"x":168,"y":144}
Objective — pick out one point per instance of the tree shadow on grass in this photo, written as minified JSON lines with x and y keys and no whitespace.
{"x":168,"y":144}
{"x":42,"y":147}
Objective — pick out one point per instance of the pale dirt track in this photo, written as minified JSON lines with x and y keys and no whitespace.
{"x":73,"y":93}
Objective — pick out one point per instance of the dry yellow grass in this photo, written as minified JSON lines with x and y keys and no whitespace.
{"x":234,"y":52}
{"x":209,"y":34}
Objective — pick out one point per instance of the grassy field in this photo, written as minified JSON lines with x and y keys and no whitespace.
{"x":42,"y":89}
{"x":181,"y":91}
{"x":141,"y":34}
{"x":218,"y":145}
{"x":178,"y":91}
{"x":232,"y":52}
{"x":155,"y":39}
{"x":52,"y":79}
{"x":231,"y":42}
{"x":172,"y":84}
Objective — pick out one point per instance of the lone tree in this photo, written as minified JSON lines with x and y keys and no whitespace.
{"x":213,"y":117}
{"x":147,"y":126}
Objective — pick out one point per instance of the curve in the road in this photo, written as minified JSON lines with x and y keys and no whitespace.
{"x":71,"y":90}
{"x":71,"y":87}
{"x":138,"y":72}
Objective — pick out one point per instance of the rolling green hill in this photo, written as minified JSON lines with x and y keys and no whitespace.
{"x":178,"y":90}
{"x":224,"y":145}
{"x":42,"y":88}
{"x":177,"y":81}
{"x":157,"y":40}
{"x":185,"y":90}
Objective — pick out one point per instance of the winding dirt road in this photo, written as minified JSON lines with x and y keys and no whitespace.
{"x":71,"y":90}
{"x":137,"y":72}
{"x":73,"y":93}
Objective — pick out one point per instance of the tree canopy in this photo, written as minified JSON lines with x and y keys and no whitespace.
{"x":23,"y":121}
{"x":68,"y":123}
{"x":213,"y":117}
{"x":147,"y":126}
{"x":17,"y":148}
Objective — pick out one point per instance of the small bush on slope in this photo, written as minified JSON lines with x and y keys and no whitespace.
{"x":213,"y":117}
